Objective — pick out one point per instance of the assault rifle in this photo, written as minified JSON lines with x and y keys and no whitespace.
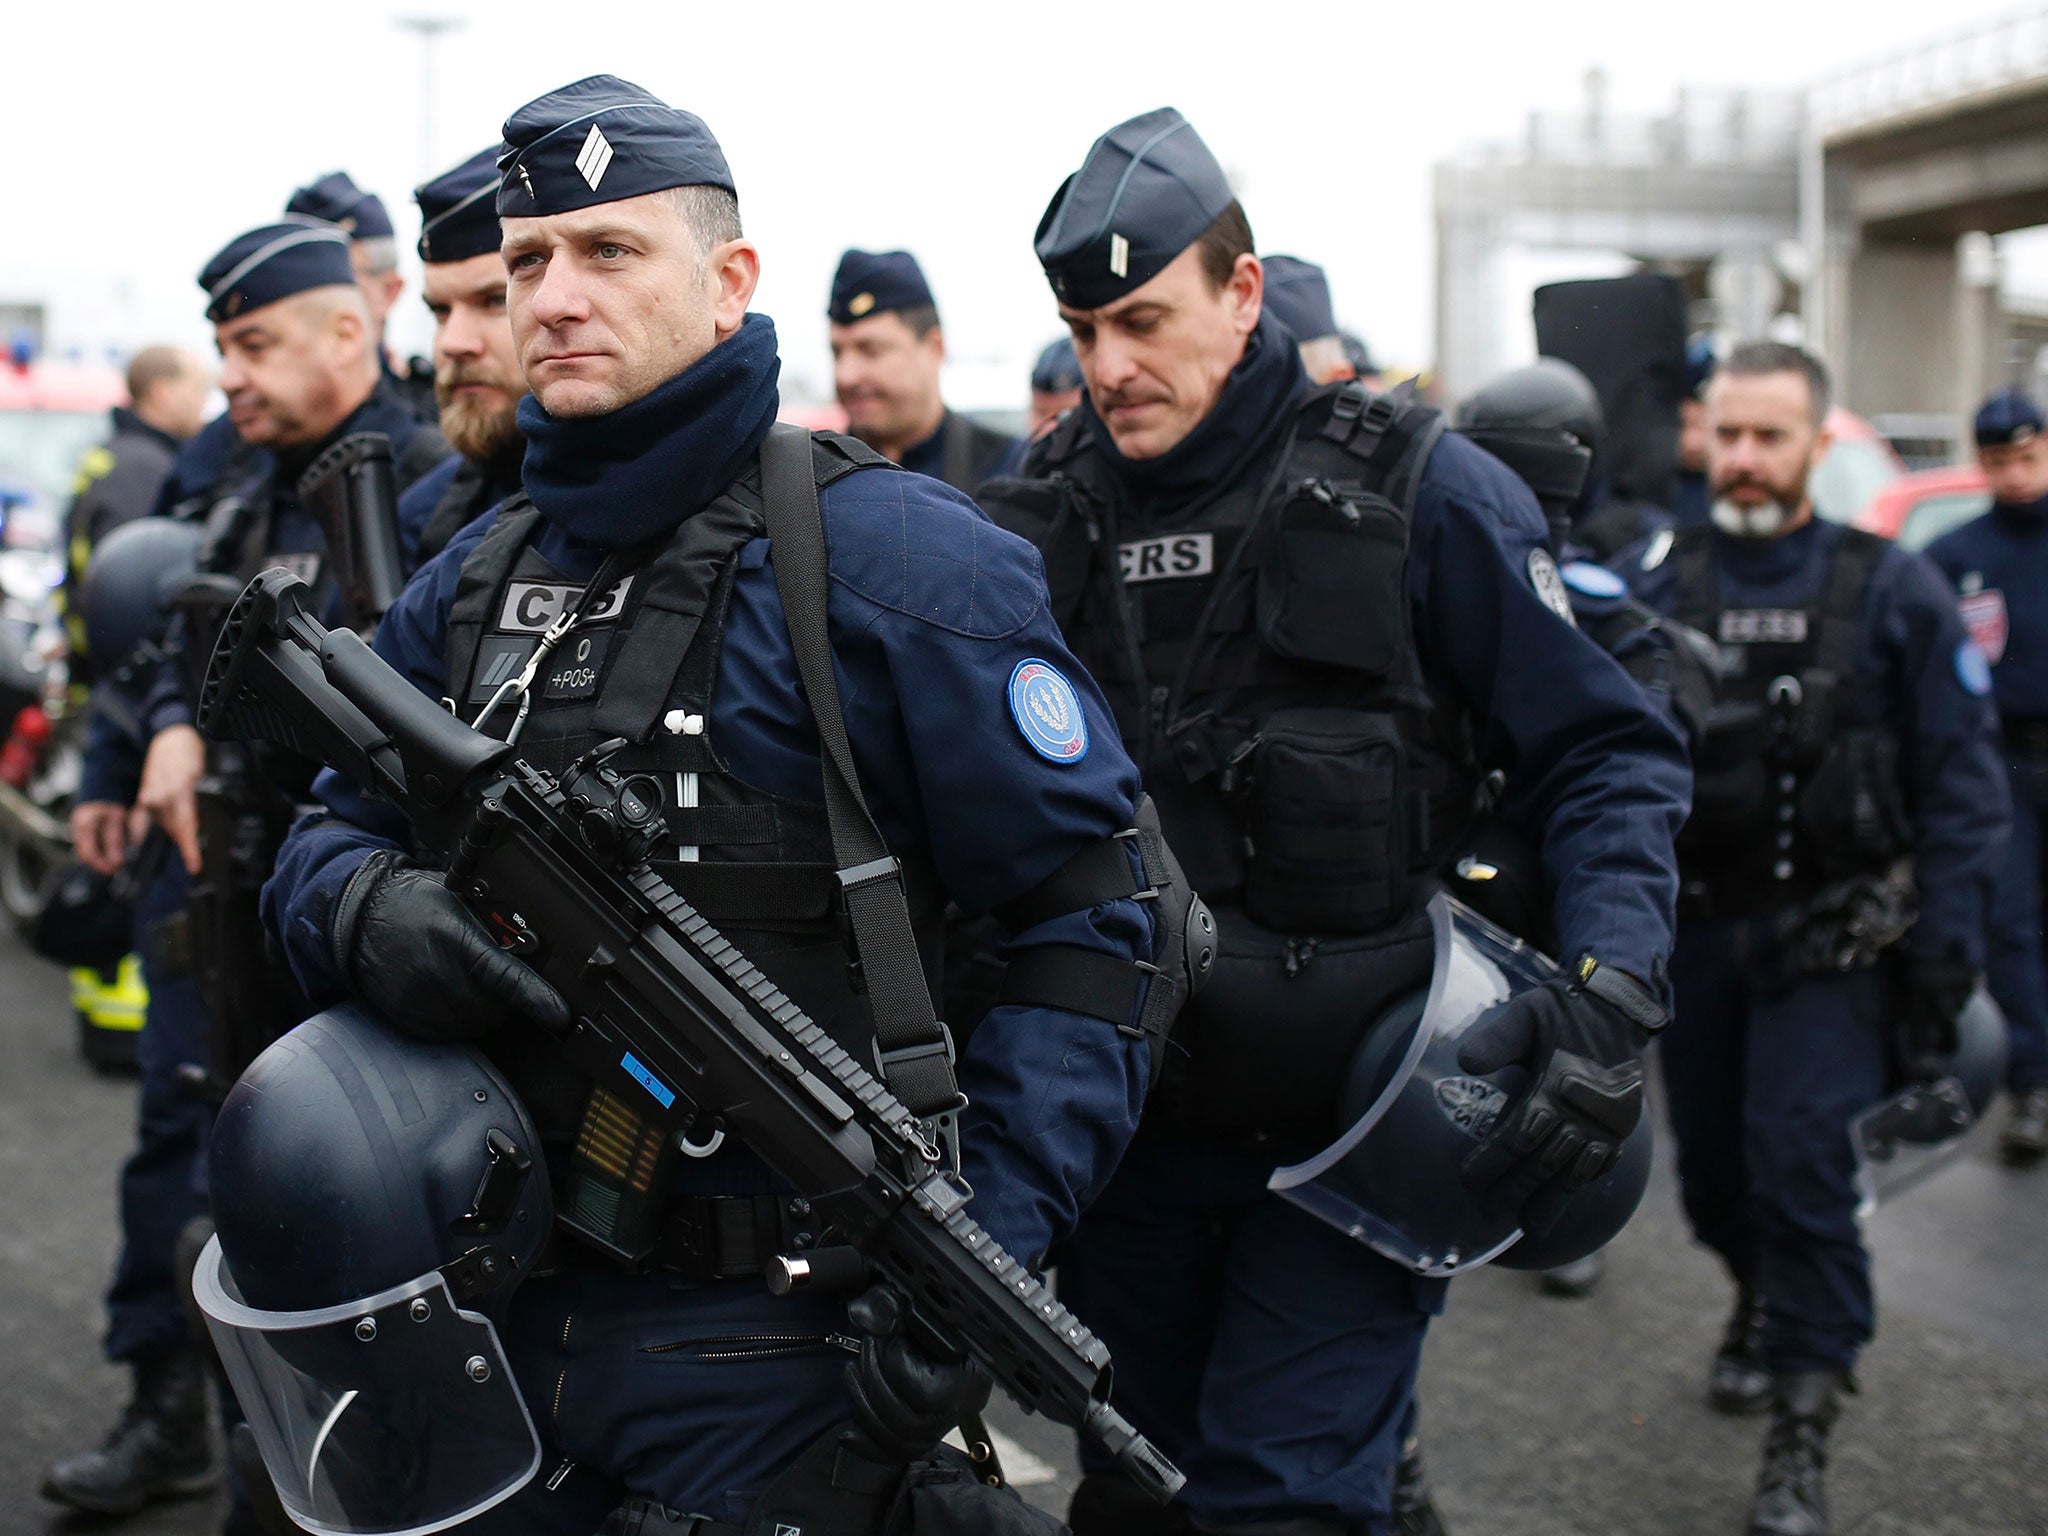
{"x":665,"y":1013}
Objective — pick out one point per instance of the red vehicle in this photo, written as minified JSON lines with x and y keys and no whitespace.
{"x":1919,"y":508}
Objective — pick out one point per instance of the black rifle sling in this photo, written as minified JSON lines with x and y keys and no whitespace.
{"x":915,"y":1051}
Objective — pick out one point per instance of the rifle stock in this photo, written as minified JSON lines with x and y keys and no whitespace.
{"x":665,"y":1012}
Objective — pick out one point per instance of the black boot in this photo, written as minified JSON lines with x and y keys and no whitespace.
{"x":1738,"y":1381}
{"x":159,"y":1450}
{"x":2025,"y":1141}
{"x":1790,"y":1499}
{"x":1414,"y":1512}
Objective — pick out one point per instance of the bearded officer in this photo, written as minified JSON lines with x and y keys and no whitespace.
{"x":1271,"y":1356}
{"x":1853,"y":732}
{"x":477,"y":378}
{"x":1998,"y":564}
{"x":653,"y":393}
{"x":299,"y":368}
{"x":887,"y":350}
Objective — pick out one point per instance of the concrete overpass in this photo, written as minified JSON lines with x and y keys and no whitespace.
{"x":1912,"y":165}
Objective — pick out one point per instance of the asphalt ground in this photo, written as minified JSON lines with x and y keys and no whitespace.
{"x":1541,"y":1417}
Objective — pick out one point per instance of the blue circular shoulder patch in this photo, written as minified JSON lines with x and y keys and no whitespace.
{"x":1048,"y":712}
{"x":1972,"y":670}
{"x":1593,"y":580}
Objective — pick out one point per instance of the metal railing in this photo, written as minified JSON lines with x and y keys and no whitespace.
{"x":1992,"y":53}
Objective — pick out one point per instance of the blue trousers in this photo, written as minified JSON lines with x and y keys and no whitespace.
{"x":693,"y":1395}
{"x":1761,"y":1092}
{"x":159,"y":1192}
{"x":2016,"y":971}
{"x":1270,"y":1356}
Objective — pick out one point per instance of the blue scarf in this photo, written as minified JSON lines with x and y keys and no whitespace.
{"x":639,"y":471}
{"x":1265,"y":386}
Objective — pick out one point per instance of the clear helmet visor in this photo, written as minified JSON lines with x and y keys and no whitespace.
{"x":393,"y":1416}
{"x":1901,"y":1140}
{"x":1410,"y":1115}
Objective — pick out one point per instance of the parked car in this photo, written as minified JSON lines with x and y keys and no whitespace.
{"x":1858,"y":466}
{"x":1919,"y":508}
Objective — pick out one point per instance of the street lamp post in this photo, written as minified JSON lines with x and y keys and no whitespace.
{"x":428,"y":29}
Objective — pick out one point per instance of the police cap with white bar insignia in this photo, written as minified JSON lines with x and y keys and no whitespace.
{"x":337,"y":199}
{"x":274,"y":262}
{"x":602,"y":140}
{"x":459,"y":210}
{"x":1146,"y":192}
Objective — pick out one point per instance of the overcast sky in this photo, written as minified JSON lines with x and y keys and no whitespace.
{"x":143,"y":136}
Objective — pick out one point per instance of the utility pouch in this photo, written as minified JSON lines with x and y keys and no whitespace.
{"x":1328,"y":829}
{"x":1851,"y":809}
{"x":1329,"y":587}
{"x":1259,"y":1054}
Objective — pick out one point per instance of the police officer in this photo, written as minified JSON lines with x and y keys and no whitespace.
{"x":887,"y":349}
{"x":477,"y":378}
{"x":988,"y":757}
{"x":1298,"y":295}
{"x":299,"y":369}
{"x":1313,"y":766}
{"x":1055,"y":386}
{"x":1998,"y":564}
{"x":1691,"y":504}
{"x":1853,"y":732}
{"x":118,"y":481}
{"x":373,"y":255}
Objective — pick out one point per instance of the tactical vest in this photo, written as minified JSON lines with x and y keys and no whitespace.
{"x":1257,"y":650}
{"x":1795,"y":778}
{"x":642,"y":665}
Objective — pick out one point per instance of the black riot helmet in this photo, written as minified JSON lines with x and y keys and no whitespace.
{"x":1545,"y":423}
{"x":1924,"y":1126}
{"x":130,"y":584}
{"x":1409,"y":1116}
{"x":377,"y":1198}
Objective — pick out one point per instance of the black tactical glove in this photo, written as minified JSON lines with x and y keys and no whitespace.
{"x":425,"y":961}
{"x":1930,"y":1003}
{"x":1585,"y":1048}
{"x":904,"y":1401}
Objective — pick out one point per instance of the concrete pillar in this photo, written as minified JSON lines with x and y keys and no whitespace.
{"x":1895,"y":328}
{"x":1980,"y":326}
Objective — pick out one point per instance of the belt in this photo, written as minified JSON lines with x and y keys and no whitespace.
{"x":644,"y":1517}
{"x":732,"y":1237}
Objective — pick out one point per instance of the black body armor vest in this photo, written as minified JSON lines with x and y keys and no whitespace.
{"x":642,"y":665}
{"x":1257,"y":650}
{"x":1795,"y":776}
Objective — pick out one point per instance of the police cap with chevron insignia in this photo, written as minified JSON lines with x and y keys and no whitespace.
{"x":459,"y":210}
{"x":1146,"y":192}
{"x":337,"y":199}
{"x":602,"y":140}
{"x":272,"y":262}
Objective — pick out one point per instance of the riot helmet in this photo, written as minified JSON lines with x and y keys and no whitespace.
{"x":1924,"y":1126}
{"x":1409,"y":1116}
{"x":377,"y":1198}
{"x":131,"y":582}
{"x":1545,"y":423}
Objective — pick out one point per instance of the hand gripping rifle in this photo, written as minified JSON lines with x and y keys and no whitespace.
{"x":663,"y":1010}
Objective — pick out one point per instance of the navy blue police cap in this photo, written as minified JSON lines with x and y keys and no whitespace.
{"x":2009,"y":416}
{"x":873,"y":282}
{"x":1147,"y":190}
{"x":1700,"y":363}
{"x":272,"y":262}
{"x":602,"y":140}
{"x":459,"y":210}
{"x":1298,"y":296}
{"x":1057,"y":369}
{"x":338,"y":200}
{"x":1358,"y":354}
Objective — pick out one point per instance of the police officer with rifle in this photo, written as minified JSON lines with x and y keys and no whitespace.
{"x":819,"y":696}
{"x":1847,"y":779}
{"x":1321,"y":622}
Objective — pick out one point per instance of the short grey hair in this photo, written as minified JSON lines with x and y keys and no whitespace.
{"x":1760,"y":357}
{"x":711,"y":214}
{"x":380,"y":253}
